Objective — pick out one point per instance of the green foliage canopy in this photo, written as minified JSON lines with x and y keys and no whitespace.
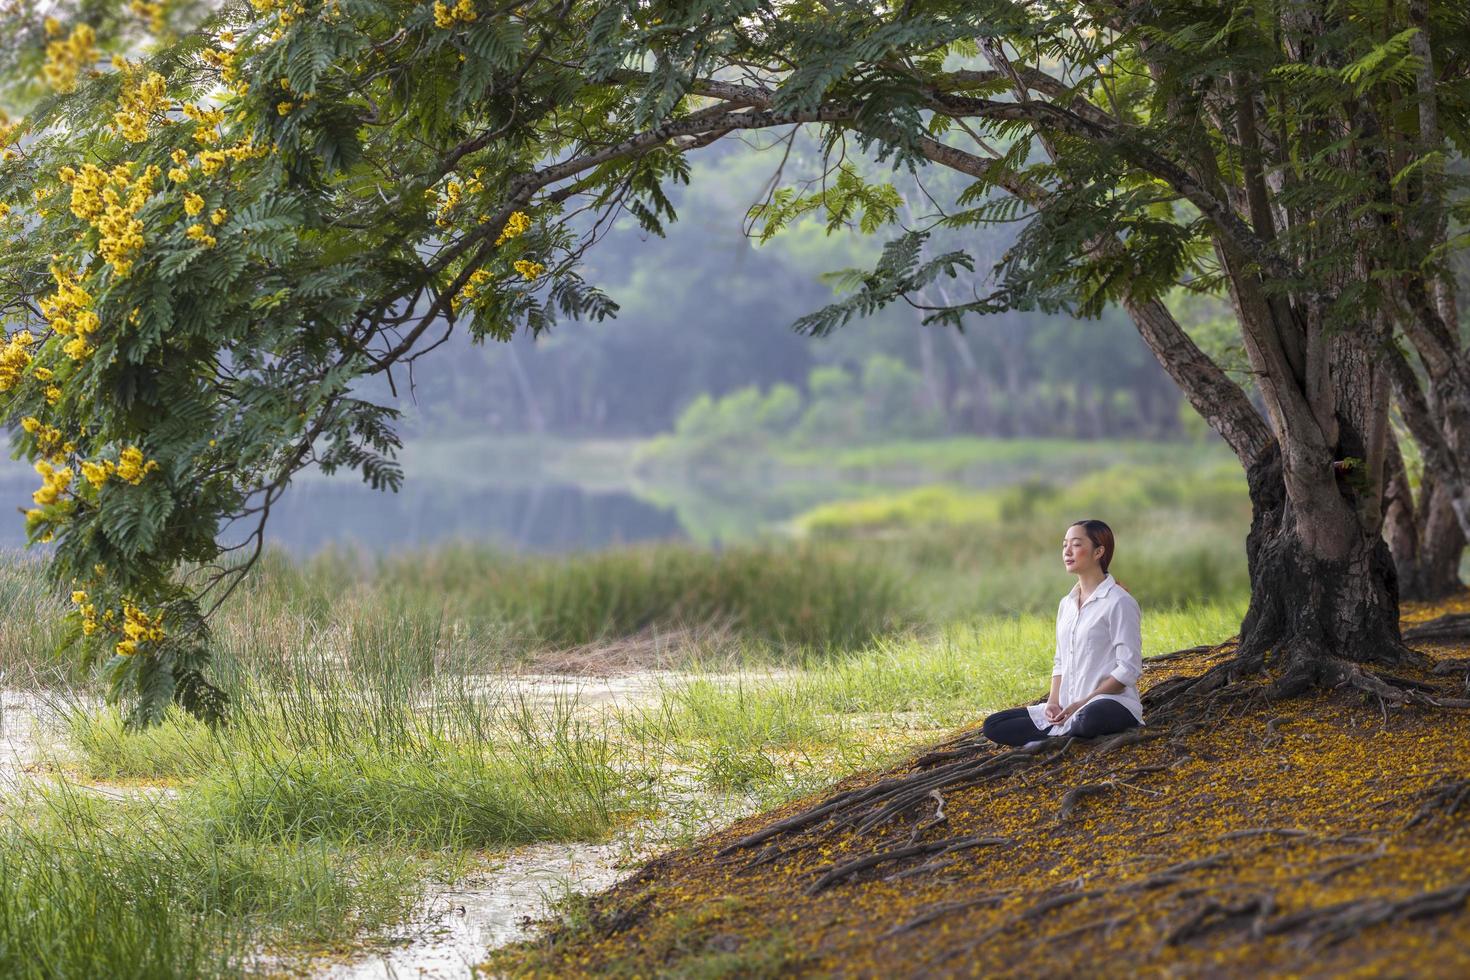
{"x":211,"y":237}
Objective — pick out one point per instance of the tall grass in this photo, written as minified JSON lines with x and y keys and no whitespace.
{"x":98,"y":887}
{"x":498,"y":604}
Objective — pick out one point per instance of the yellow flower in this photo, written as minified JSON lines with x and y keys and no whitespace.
{"x":126,"y":648}
{"x":193,"y":204}
{"x":218,"y":216}
{"x":98,"y":473}
{"x":131,"y":467}
{"x":53,"y":394}
{"x":198,"y":234}
{"x":528,"y":269}
{"x":78,"y":597}
{"x":66,"y":59}
{"x":515,"y":226}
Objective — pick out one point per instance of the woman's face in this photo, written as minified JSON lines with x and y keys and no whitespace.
{"x":1079,"y":554}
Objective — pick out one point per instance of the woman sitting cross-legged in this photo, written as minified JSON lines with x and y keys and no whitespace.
{"x":1099,"y":653}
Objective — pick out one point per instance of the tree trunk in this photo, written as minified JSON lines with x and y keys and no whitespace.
{"x":1424,"y":539}
{"x":1312,"y":616}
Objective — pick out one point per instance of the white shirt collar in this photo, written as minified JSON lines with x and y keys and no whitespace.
{"x":1102,"y":589}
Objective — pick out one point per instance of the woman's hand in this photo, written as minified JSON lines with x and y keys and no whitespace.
{"x":1069,"y":711}
{"x":1054,"y":713}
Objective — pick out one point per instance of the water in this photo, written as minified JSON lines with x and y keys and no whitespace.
{"x":318,"y":512}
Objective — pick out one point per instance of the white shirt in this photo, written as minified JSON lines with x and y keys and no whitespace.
{"x":1101,"y":639}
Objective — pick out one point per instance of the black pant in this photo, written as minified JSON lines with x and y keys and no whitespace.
{"x":1104,"y":716}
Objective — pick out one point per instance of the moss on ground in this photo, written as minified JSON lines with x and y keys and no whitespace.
{"x":1319,"y":836}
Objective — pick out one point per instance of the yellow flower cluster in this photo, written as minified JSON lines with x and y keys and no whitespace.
{"x":154,"y":12}
{"x":98,"y":473}
{"x":528,"y":269}
{"x":65,"y":59}
{"x":10,"y":130}
{"x":446,"y":16}
{"x":450,"y":199}
{"x":197,"y":233}
{"x":132,"y":468}
{"x":97,"y":198}
{"x":138,"y":627}
{"x":69,"y":312}
{"x":15,"y":357}
{"x":209,"y":120}
{"x":54,"y":482}
{"x":137,"y":104}
{"x":212,"y":161}
{"x":193,"y":204}
{"x":48,"y":437}
{"x":515,"y":226}
{"x":224,"y":60}
{"x":471,"y":289}
{"x":88,"y":611}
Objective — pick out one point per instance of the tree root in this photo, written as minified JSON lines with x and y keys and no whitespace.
{"x":1389,"y":689}
{"x":937,"y":848}
{"x":1454,"y":626}
{"x":1332,"y":924}
{"x":1076,"y":793}
{"x":1453,"y":665}
{"x":1160,"y":658}
{"x":871,"y":806}
{"x":1444,"y":799}
{"x":1214,"y":915}
{"x":942,"y":909}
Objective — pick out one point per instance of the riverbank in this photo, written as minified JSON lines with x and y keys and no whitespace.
{"x":1322,"y":837}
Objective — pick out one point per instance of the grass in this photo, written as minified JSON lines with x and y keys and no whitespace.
{"x":306,"y":821}
{"x":98,"y":887}
{"x":376,"y":744}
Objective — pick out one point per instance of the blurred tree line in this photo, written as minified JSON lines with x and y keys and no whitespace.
{"x":702,"y":345}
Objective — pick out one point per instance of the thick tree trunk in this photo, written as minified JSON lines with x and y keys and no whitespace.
{"x":1309,"y":614}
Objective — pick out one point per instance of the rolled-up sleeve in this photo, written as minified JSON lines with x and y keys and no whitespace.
{"x":1127,"y":642}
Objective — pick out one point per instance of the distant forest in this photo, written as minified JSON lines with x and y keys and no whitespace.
{"x":706,"y":313}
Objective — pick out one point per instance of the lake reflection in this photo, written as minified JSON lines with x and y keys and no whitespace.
{"x":317,"y":512}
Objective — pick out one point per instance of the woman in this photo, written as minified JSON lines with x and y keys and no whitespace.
{"x":1099,"y":653}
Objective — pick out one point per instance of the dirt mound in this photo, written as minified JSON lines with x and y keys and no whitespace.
{"x":1324,"y":835}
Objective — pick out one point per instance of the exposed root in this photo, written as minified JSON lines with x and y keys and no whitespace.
{"x":850,"y":868}
{"x":1037,"y":911}
{"x":871,"y":806}
{"x":1332,"y":924}
{"x":1176,"y":872}
{"x":1454,"y":627}
{"x":943,"y":909}
{"x":1213,"y":914}
{"x":1454,"y":665}
{"x":1263,"y":831}
{"x":1392,"y":690}
{"x":1444,"y":799}
{"x":1076,"y":793}
{"x":1160,"y":658}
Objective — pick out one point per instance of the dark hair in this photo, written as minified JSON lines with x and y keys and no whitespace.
{"x":1101,"y":536}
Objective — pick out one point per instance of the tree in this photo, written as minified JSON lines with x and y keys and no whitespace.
{"x":208,"y":246}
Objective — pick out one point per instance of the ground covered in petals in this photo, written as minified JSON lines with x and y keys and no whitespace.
{"x":1327,"y":835}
